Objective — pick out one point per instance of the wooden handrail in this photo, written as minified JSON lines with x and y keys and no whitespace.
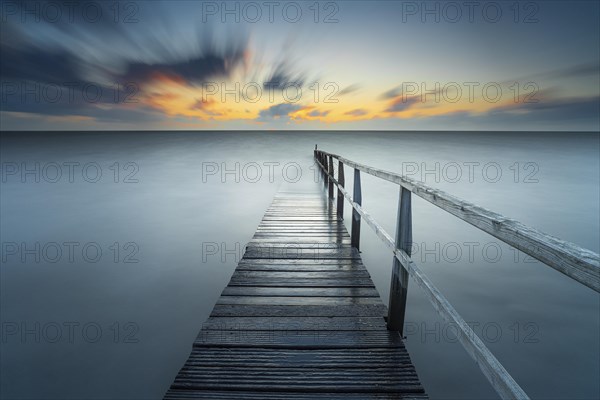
{"x":574,"y":261}
{"x":570,"y":259}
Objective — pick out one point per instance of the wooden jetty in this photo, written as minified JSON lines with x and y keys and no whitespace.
{"x":301,"y":318}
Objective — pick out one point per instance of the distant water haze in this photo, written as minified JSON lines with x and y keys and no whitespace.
{"x":116,"y":245}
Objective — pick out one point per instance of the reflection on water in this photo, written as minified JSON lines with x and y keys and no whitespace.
{"x":115,"y":247}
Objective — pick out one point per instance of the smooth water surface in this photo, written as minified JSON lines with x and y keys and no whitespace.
{"x":115,"y":247}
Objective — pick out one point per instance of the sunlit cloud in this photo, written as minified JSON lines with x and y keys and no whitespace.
{"x":169,"y":69}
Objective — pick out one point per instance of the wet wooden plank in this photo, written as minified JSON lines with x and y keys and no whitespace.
{"x":297,"y":300}
{"x":299,"y":339}
{"x":293,"y":268}
{"x":296,"y":253}
{"x":244,"y":395}
{"x":298,"y":358}
{"x":326,"y":323}
{"x":301,"y":282}
{"x":282,"y":272}
{"x":245,"y":310}
{"x":298,"y":292}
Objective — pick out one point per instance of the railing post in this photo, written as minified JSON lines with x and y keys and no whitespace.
{"x":330,"y":170}
{"x":340,"y":198}
{"x":324,"y":170}
{"x":399,"y":283}
{"x":357,"y":198}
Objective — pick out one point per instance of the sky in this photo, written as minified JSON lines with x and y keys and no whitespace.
{"x":300,"y":65}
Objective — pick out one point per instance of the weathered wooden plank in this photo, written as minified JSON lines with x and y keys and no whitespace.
{"x":274,"y":272}
{"x":268,"y":252}
{"x":243,"y":310}
{"x":293,"y":236}
{"x":351,"y":383}
{"x":176,"y":394}
{"x":302,"y":282}
{"x":291,"y":262}
{"x":299,"y":323}
{"x":301,"y":225}
{"x":303,"y":262}
{"x":305,"y":244}
{"x":300,"y":229}
{"x":321,"y":267}
{"x":299,"y":292}
{"x":301,"y":339}
{"x":301,"y":359}
{"x":300,"y":240}
{"x":297,"y":300}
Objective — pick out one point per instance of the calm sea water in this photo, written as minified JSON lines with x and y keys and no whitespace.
{"x":115,"y":247}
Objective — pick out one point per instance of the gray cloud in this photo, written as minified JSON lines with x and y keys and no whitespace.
{"x":359,"y":112}
{"x":317,"y":113}
{"x":283,"y":75}
{"x":350,"y":89}
{"x":281,"y":111}
{"x":400,"y":104}
{"x":392,"y":93}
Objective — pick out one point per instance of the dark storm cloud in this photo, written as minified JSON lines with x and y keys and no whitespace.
{"x":283,"y":75}
{"x":194,"y":70}
{"x":56,"y":79}
{"x":38,"y":65}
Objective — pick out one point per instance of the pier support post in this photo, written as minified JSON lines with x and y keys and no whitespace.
{"x":324,"y":170}
{"x":399,"y":283}
{"x":357,"y":197}
{"x":330,"y":171}
{"x":340,"y":196}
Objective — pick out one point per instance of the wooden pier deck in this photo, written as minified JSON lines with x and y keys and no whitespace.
{"x":299,"y":319}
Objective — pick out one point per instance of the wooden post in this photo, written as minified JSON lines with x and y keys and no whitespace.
{"x":399,"y":283}
{"x":330,"y":170}
{"x":324,"y":164}
{"x":340,"y":198}
{"x":357,"y":197}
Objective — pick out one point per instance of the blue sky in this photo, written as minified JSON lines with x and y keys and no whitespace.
{"x":391,"y":65}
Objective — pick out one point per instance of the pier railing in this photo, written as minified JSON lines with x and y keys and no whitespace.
{"x":577,"y":263}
